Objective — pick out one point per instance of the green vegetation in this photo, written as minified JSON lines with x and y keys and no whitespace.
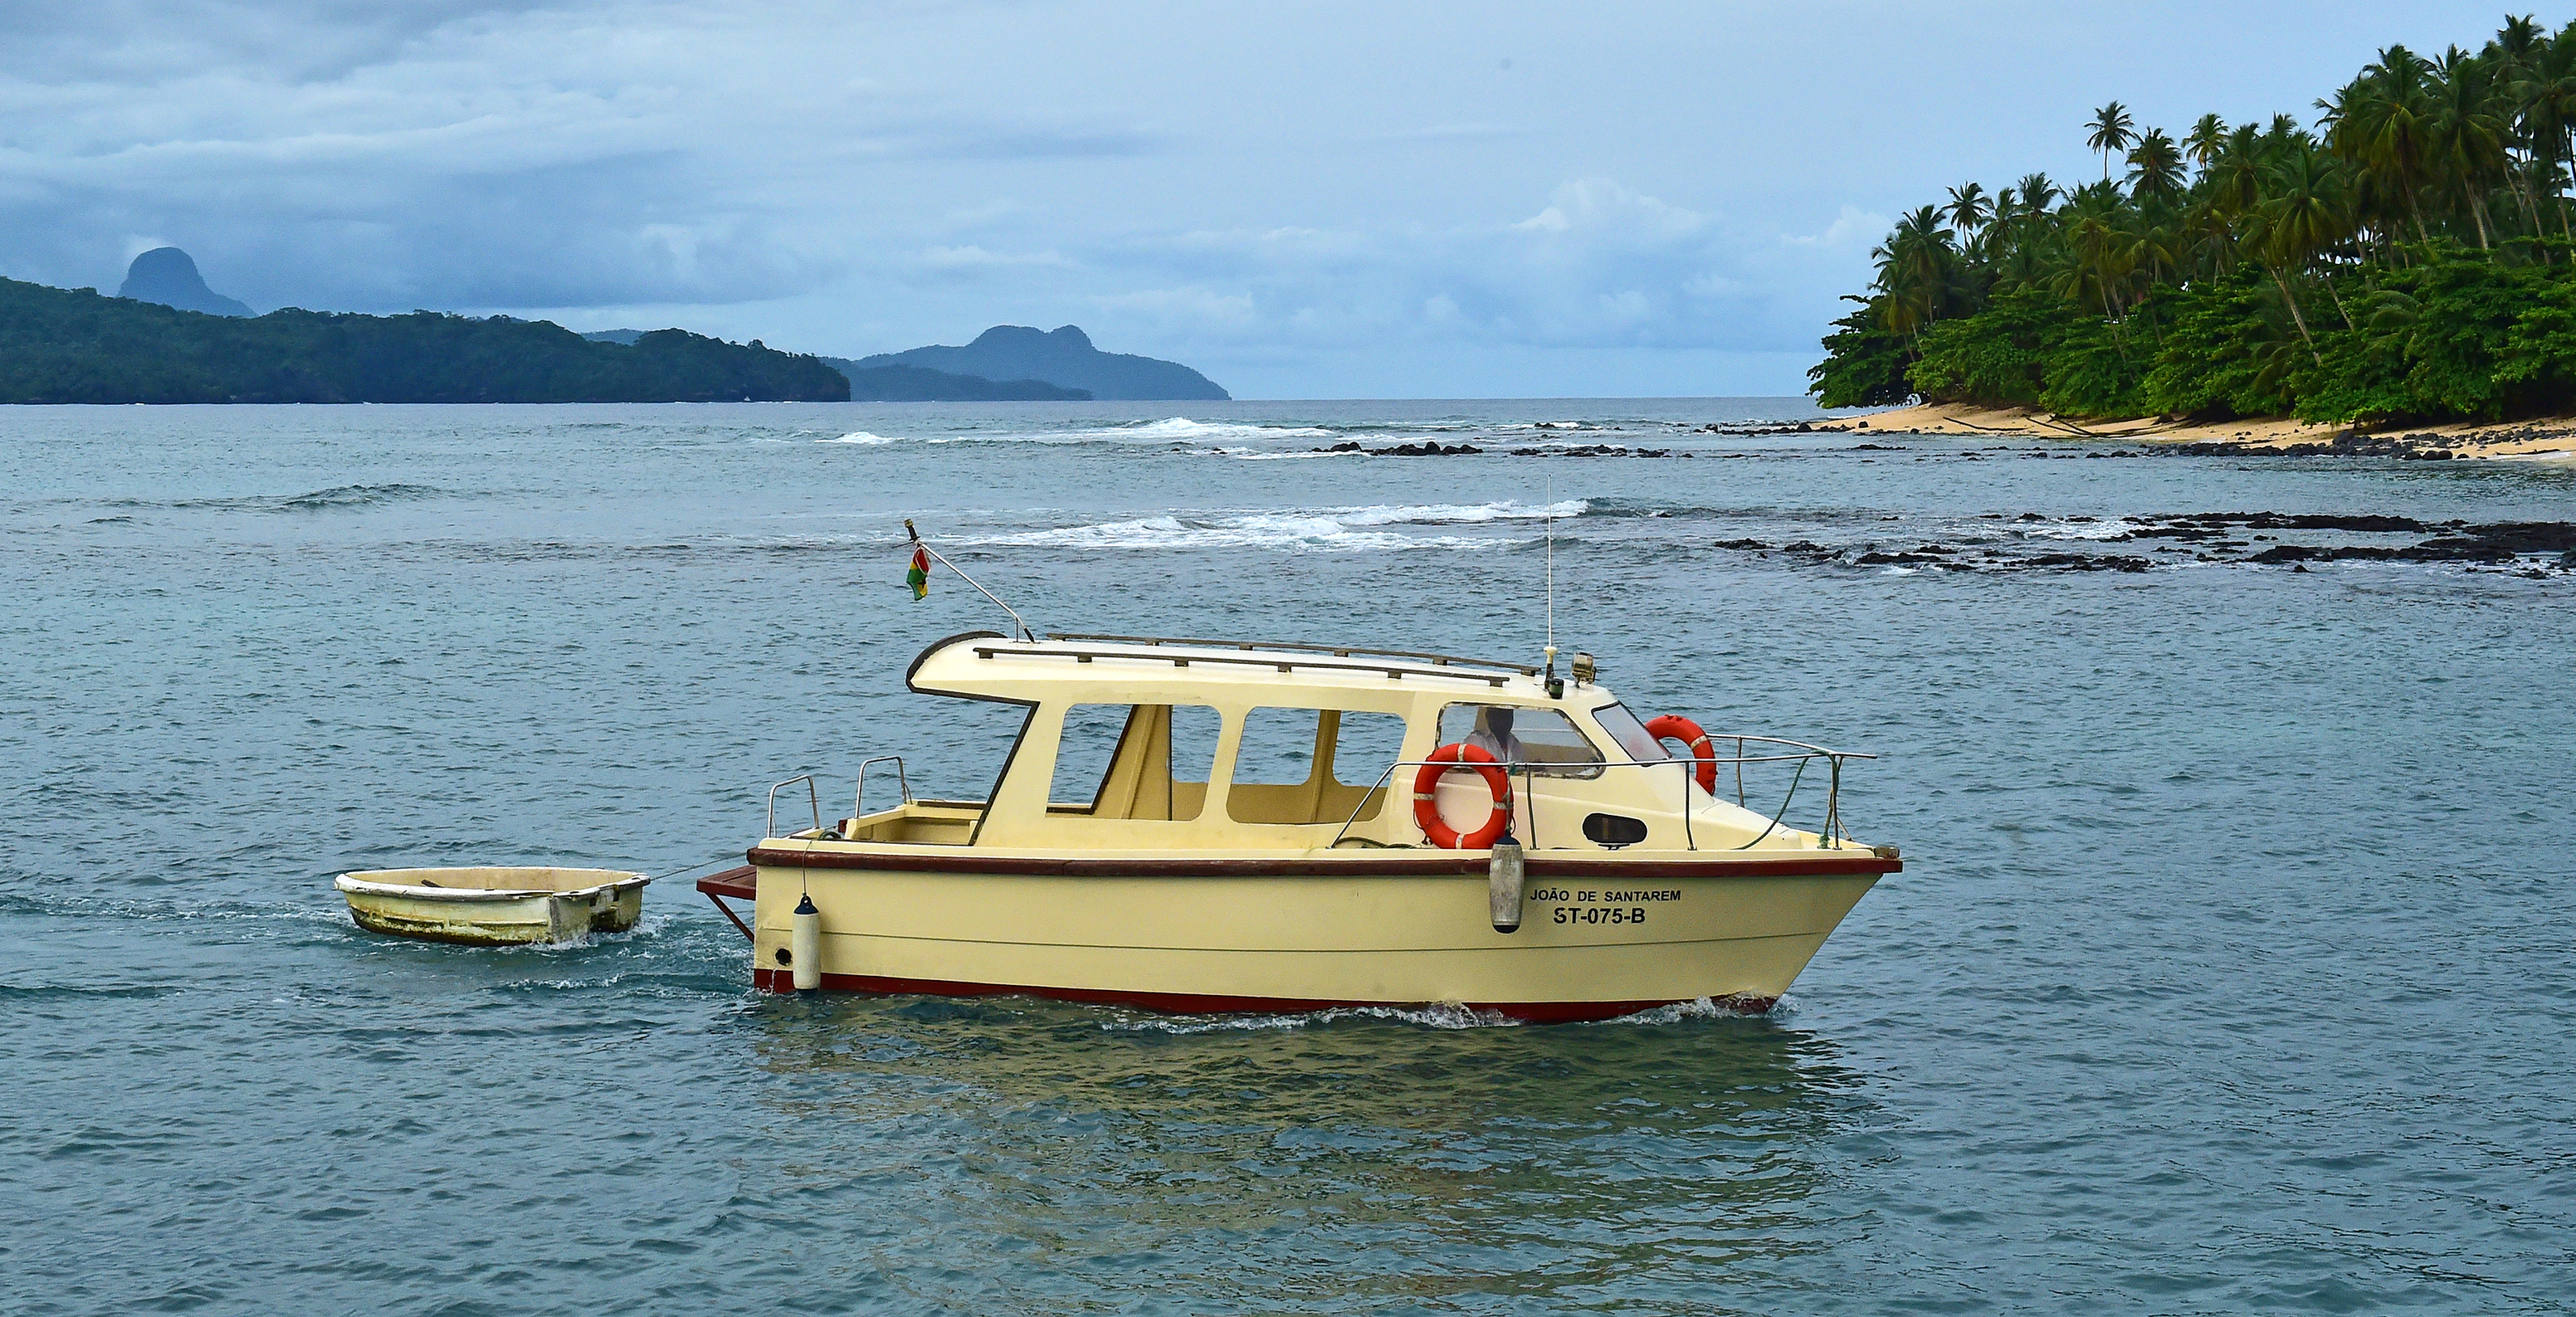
{"x":2412,"y":259}
{"x":75,"y":346}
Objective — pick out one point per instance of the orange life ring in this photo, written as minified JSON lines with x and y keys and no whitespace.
{"x":1676,"y":727}
{"x":1426,"y":807}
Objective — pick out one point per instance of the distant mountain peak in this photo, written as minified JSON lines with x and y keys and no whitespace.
{"x":168,"y":276}
{"x":1063,"y":357}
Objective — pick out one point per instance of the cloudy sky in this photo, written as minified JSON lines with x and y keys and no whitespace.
{"x":1381,"y":199}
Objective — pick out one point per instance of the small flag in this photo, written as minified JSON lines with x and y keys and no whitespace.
{"x":919,"y":576}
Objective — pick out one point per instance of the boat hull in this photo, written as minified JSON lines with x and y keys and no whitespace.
{"x":1597,"y":939}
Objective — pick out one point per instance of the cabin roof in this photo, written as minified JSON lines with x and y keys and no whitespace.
{"x":988,"y":665}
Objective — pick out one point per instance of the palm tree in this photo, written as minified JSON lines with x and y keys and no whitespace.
{"x":1914,"y":271}
{"x":2155,"y":167}
{"x":2111,"y":133}
{"x":2208,"y":133}
{"x":2377,"y":123}
{"x":2234,"y":179}
{"x":2463,"y":139}
{"x":1969,"y":209}
{"x":2547,"y":92}
{"x":2038,"y":195}
{"x":2301,"y":214}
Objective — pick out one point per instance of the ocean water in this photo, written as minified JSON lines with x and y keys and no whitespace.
{"x":2232,"y":968}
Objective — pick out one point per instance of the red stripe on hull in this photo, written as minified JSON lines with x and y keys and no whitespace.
{"x":1191,"y":1003}
{"x":1723,"y":864}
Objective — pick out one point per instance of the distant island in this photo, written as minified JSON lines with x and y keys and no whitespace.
{"x":922,"y":384}
{"x":1007,"y":363}
{"x":910,"y":383}
{"x":1064,"y":358}
{"x":74,"y":346}
{"x":169,"y":276}
{"x":2411,"y":260}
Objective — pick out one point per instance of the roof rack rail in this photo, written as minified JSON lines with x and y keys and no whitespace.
{"x":1337,"y":651}
{"x":1281,"y":661}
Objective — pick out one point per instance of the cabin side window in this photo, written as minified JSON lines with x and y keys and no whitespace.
{"x":1517,"y":735}
{"x":1134,"y":761}
{"x":1631,"y":734}
{"x":1312,"y":765}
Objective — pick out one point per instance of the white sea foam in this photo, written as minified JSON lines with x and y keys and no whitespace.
{"x":2109,"y":528}
{"x":1171,"y":429}
{"x":1182,"y":427}
{"x":858,"y":437}
{"x":1329,"y":530}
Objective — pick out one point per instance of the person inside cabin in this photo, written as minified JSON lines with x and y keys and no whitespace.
{"x":1493,"y":734}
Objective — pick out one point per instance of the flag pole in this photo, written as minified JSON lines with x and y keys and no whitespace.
{"x":918,"y":543}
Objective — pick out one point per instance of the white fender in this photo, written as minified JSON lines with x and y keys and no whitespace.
{"x":805,"y":946}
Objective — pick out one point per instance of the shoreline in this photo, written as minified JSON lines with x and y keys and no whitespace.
{"x":2543,"y":439}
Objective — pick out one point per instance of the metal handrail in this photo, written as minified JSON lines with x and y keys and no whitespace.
{"x":1337,"y":651}
{"x":859,"y":802}
{"x":1830,"y":836}
{"x":769,"y":826}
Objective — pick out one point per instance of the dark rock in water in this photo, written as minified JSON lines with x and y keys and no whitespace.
{"x":2087,"y":562}
{"x":1346,"y":446}
{"x":1064,"y":358}
{"x":166,"y":275}
{"x":1742,"y":544}
{"x":1432,"y":449}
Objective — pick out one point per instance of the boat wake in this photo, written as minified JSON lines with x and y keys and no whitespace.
{"x":1437,"y":1016}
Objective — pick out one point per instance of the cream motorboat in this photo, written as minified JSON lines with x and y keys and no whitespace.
{"x":494,"y":906}
{"x":1206,"y":826}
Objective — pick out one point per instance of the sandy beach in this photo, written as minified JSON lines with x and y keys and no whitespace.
{"x":2543,"y":439}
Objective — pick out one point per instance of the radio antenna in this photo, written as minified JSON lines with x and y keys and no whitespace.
{"x":918,"y":543}
{"x":1555,"y":688}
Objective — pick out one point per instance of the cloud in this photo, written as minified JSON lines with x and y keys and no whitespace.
{"x":1316,"y":181}
{"x":1600,"y":207}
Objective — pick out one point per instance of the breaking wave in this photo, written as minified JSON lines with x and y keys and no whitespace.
{"x":858,"y":437}
{"x":1345,"y":530}
{"x":1182,"y":427}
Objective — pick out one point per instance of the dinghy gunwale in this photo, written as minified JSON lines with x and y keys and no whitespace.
{"x":359,"y":880}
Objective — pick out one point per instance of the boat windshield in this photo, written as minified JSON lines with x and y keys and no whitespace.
{"x":1521,"y":735}
{"x":1631,"y":734}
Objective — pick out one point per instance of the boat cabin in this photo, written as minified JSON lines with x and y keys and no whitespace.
{"x":1141,"y":744}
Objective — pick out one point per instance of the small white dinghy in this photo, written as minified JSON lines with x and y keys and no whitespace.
{"x":494,"y":906}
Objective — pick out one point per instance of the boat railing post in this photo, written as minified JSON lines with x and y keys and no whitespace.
{"x":1529,"y":800}
{"x":1834,"y":806}
{"x":1382,"y":781}
{"x":769,"y":824}
{"x":859,"y":802}
{"x":1690,"y":839}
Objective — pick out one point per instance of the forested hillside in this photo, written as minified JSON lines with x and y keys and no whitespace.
{"x":65,"y":346}
{"x":2411,"y":257}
